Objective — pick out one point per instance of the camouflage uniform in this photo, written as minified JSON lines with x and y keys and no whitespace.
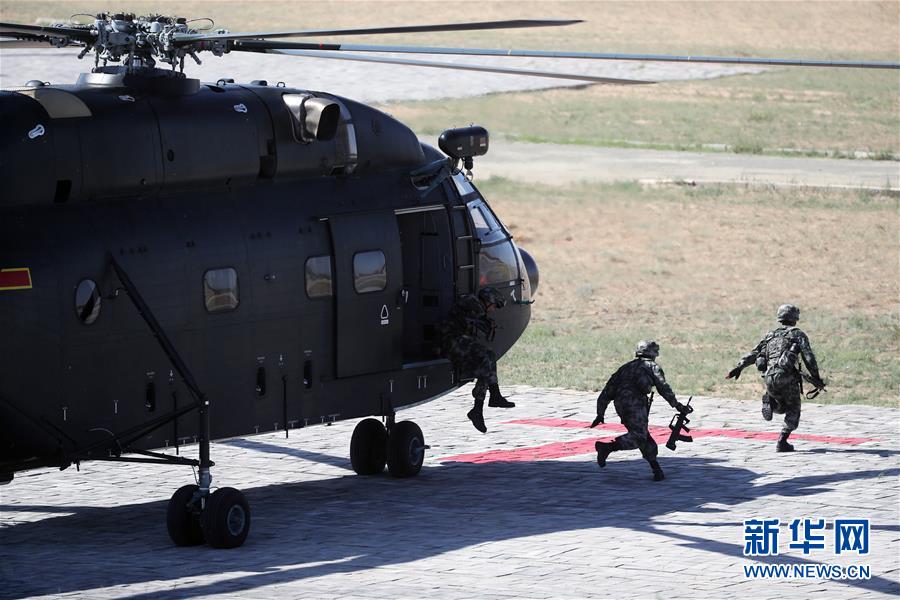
{"x":460,"y":342}
{"x":778,"y":356}
{"x":628,"y":389}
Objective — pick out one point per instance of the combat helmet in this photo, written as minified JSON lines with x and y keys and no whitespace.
{"x":788,"y":314}
{"x":647,"y":349}
{"x":490,"y":296}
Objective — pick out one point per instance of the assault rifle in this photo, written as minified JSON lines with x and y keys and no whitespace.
{"x":678,"y":424}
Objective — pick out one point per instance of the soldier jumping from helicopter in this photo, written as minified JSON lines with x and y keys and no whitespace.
{"x":628,"y":389}
{"x":777,"y":356}
{"x":470,"y":319}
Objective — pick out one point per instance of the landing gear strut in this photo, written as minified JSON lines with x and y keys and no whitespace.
{"x":222,"y":517}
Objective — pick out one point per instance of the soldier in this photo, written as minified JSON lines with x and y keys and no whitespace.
{"x":628,"y":389}
{"x":777,"y":356}
{"x":470,"y":319}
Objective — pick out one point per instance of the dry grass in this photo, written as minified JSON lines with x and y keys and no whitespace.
{"x":825,"y":112}
{"x":702,"y":270}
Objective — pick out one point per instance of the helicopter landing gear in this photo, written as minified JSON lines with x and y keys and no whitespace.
{"x":183,"y":517}
{"x":223,"y":523}
{"x":406,"y":449}
{"x":399,"y":445}
{"x":368,"y":447}
{"x":226,"y":518}
{"x":222,"y":517}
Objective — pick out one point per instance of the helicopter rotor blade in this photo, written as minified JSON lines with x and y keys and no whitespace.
{"x":189,"y":38}
{"x":25,"y":43}
{"x":747,"y":61}
{"x":443,"y":65}
{"x":43,"y":33}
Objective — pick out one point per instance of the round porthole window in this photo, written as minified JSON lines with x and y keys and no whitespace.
{"x":87,"y":301}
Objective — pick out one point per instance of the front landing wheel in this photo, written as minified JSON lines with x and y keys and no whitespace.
{"x":183,"y":519}
{"x":406,"y":449}
{"x":368,"y":447}
{"x":226,"y":518}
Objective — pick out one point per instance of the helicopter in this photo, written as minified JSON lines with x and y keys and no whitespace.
{"x":183,"y":262}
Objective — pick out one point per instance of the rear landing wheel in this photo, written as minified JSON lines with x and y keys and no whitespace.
{"x":406,"y":449}
{"x":368,"y":446}
{"x":226,"y":518}
{"x":182,"y":520}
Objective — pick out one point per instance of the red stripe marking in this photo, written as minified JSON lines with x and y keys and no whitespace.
{"x":659,"y":432}
{"x":586,"y":445}
{"x":15,"y":278}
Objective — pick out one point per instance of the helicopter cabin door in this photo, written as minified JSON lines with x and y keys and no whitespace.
{"x":368,"y":286}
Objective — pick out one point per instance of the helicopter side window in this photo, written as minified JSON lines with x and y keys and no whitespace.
{"x":87,"y":301}
{"x":318,"y":277}
{"x":220,"y":290}
{"x":369,"y":272}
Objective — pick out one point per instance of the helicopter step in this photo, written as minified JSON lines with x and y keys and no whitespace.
{"x":399,"y":446}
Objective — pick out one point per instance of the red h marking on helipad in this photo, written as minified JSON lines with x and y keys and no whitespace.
{"x":586,"y":445}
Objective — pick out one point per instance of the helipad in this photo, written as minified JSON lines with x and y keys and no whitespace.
{"x":522,"y":512}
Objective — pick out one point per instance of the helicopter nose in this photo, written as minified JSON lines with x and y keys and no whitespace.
{"x":534,"y":275}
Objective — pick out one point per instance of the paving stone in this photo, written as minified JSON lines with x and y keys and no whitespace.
{"x":484,"y":518}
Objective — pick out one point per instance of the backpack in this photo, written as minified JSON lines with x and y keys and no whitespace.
{"x":781,"y":351}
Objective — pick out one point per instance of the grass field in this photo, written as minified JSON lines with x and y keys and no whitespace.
{"x":702,"y":270}
{"x":834,"y":113}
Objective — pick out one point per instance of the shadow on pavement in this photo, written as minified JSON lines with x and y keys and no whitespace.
{"x":883,"y":453}
{"x":352,"y":523}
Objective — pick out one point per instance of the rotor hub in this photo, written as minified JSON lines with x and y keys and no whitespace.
{"x":139,"y":42}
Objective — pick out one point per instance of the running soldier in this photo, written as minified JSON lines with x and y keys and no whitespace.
{"x":468,"y":321}
{"x":778,"y":356}
{"x":628,"y":389}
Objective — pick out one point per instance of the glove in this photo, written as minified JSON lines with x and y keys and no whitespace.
{"x":735,"y":373}
{"x":819,"y":383}
{"x":597,"y":421}
{"x":682,"y":408}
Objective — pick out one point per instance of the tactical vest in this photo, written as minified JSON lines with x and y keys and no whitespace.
{"x":781,"y":351}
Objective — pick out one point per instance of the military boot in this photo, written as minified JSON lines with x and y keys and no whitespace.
{"x":476,"y":415}
{"x":783,"y":445}
{"x":766,"y":408}
{"x":604,"y":449}
{"x":497,"y":400}
{"x":658,"y":474}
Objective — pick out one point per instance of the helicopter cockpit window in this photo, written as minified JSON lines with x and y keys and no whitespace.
{"x":487,"y":227}
{"x":498,"y":264}
{"x":220,"y":290}
{"x":87,"y":301}
{"x":369,"y":271}
{"x":318,"y":277}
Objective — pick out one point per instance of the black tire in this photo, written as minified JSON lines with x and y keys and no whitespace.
{"x":184,"y":524}
{"x":406,"y":449}
{"x":368,"y":447}
{"x":226,"y":518}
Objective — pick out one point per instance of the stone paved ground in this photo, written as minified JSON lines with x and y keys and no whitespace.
{"x":522,"y":512}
